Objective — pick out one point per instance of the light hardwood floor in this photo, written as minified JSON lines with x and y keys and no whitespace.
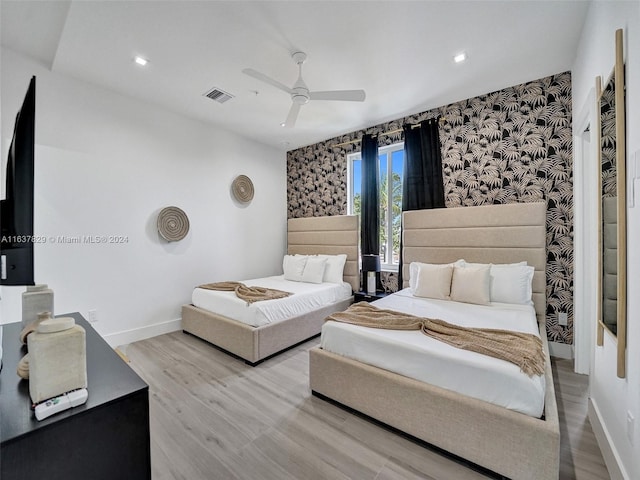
{"x":213,"y":417}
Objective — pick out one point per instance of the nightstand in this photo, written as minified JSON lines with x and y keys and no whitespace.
{"x":362,"y":296}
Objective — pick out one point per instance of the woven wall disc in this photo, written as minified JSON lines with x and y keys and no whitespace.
{"x":243,"y":188}
{"x":173,"y":224}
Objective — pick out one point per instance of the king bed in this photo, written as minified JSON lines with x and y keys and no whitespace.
{"x":438,"y":393}
{"x":262,"y":329}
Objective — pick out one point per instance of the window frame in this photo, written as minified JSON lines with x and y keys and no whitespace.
{"x":386,"y":150}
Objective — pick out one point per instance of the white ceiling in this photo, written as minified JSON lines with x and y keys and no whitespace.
{"x":400,"y":53}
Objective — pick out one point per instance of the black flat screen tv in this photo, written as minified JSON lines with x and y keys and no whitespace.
{"x":16,"y":210}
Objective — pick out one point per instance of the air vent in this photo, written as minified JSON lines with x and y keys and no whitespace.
{"x":218,"y":95}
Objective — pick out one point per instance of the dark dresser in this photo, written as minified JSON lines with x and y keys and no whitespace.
{"x":106,"y":438}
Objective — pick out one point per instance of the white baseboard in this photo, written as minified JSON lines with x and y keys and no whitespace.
{"x":561,"y":350}
{"x":609,"y":452}
{"x":129,"y":336}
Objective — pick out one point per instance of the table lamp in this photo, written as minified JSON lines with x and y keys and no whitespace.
{"x":370,"y":266}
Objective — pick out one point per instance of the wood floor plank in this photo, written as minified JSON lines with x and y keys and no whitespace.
{"x":394,"y":471}
{"x":293,"y":455}
{"x":407,"y":452}
{"x":331,"y":445}
{"x":214,"y":417}
{"x":580,"y":456}
{"x":188,"y":457}
{"x":253,"y":463}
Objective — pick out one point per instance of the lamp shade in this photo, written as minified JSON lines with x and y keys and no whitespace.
{"x":370,"y":263}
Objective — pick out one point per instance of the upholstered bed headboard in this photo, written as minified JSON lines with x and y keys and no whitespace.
{"x":487,"y":234}
{"x":610,"y":260}
{"x":330,"y":235}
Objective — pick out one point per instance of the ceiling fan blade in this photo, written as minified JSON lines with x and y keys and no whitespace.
{"x":345,"y":95}
{"x":262,"y":77}
{"x":293,"y":115}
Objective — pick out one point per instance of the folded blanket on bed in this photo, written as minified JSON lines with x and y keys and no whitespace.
{"x":248,"y":294}
{"x":522,"y":349}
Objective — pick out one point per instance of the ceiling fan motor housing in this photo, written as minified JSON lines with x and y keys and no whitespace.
{"x":300,"y":95}
{"x":299,"y":57}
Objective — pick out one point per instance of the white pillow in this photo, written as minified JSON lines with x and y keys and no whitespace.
{"x":293,"y":267}
{"x":414,"y":267}
{"x":471,"y":285}
{"x":433,"y":281}
{"x":512,"y":284}
{"x":334,"y":270}
{"x":314,"y":270}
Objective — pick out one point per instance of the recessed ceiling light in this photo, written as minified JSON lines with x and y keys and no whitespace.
{"x":461,"y":57}
{"x":283,"y":124}
{"x":140,"y":60}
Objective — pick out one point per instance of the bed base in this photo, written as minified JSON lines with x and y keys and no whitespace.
{"x":251,"y":364}
{"x":462,"y":461}
{"x":255,"y":344}
{"x":506,"y":442}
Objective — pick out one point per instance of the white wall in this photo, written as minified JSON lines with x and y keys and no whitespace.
{"x":106,"y":165}
{"x":612,"y":397}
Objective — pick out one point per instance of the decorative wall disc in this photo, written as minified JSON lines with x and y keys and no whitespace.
{"x":243,"y":188}
{"x":173,"y":224}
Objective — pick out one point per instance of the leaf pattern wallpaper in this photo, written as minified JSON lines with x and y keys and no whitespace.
{"x":608,"y":140}
{"x":513,"y":145}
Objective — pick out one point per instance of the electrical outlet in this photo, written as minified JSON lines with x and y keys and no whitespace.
{"x":631,"y":425}
{"x":562,"y":319}
{"x":93,"y":316}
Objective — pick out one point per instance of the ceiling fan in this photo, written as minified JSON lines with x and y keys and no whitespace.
{"x":300,"y":93}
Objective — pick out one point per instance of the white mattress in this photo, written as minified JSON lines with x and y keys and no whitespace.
{"x":306,"y":298}
{"x":414,"y":355}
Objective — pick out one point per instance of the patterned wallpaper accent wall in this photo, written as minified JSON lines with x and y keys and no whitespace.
{"x":608,"y":140}
{"x":513,"y":145}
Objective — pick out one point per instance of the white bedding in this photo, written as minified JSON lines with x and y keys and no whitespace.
{"x":306,"y":298}
{"x":414,"y":355}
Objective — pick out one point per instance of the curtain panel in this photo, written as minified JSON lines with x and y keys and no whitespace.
{"x":370,"y":197}
{"x":422,"y":181}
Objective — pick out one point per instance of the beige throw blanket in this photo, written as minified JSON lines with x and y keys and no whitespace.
{"x":522,"y":349}
{"x":248,"y":294}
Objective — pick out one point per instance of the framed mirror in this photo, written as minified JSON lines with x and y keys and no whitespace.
{"x":612,"y":208}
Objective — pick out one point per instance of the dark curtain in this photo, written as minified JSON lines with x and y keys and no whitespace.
{"x":422,"y":183}
{"x":370,"y":197}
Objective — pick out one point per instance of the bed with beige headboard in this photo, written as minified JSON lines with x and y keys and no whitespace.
{"x":331,"y":235}
{"x":510,"y":443}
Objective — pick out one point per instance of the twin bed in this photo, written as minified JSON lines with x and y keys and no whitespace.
{"x":257,"y":331}
{"x":484,"y":410}
{"x":480,"y":408}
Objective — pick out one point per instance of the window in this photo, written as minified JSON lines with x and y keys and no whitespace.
{"x":391,"y":160}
